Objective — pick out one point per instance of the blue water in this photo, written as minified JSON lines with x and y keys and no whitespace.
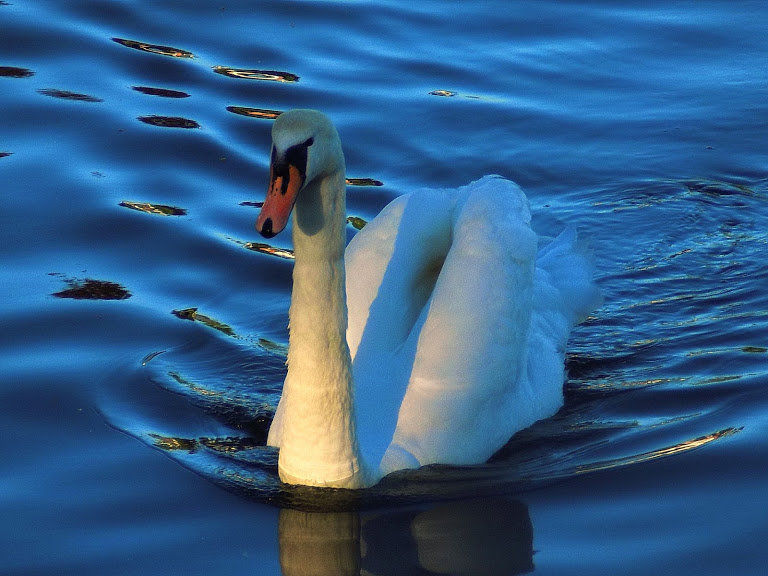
{"x":131,"y":427}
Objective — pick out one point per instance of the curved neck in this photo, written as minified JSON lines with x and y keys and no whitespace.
{"x":319,"y":443}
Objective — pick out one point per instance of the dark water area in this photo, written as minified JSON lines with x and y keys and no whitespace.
{"x":143,"y":327}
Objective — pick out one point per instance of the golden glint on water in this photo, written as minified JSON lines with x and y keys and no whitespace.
{"x":271,"y":250}
{"x":154,"y":48}
{"x":254,"y":112}
{"x":161,"y":209}
{"x":253,"y":74}
{"x":193,"y":315}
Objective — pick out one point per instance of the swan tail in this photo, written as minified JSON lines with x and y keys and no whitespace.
{"x":565,"y":277}
{"x":564,"y":294}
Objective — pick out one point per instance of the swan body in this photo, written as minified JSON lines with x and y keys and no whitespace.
{"x":436,"y":335}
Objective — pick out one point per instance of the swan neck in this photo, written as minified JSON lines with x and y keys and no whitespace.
{"x":319,"y":443}
{"x":319,"y":219}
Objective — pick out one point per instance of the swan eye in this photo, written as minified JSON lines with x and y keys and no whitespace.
{"x":296,"y":156}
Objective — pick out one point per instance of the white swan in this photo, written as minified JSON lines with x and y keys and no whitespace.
{"x":447,"y":335}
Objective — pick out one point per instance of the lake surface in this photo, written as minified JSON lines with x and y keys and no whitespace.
{"x":144,"y":332}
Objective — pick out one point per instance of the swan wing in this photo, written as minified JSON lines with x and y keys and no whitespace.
{"x":391,"y":266}
{"x":465,"y":395}
{"x":456,"y":325}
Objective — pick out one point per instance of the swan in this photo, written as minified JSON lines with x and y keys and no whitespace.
{"x":438,"y":332}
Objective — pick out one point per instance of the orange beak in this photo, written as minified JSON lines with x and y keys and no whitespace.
{"x":285,"y":181}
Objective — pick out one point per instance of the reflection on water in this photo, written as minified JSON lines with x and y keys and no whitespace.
{"x":162,"y":92}
{"x":161,"y":209}
{"x":658,"y":453}
{"x":195,"y":316}
{"x":356,"y":222}
{"x":364,"y":182}
{"x":155,"y":48}
{"x":91,"y":289}
{"x":286,"y":253}
{"x":253,"y":74}
{"x":487,"y":536}
{"x":269,"y":249}
{"x":14,"y":72}
{"x":228,"y":444}
{"x":319,"y":544}
{"x":68,"y":95}
{"x":169,"y":121}
{"x":254,"y":112}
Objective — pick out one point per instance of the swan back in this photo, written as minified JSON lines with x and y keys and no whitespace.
{"x":440,"y":297}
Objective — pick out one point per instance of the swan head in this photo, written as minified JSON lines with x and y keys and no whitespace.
{"x":305,"y":147}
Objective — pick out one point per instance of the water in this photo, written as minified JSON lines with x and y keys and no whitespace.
{"x":643,"y":125}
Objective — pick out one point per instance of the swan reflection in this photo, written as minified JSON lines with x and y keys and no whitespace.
{"x":479,"y":537}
